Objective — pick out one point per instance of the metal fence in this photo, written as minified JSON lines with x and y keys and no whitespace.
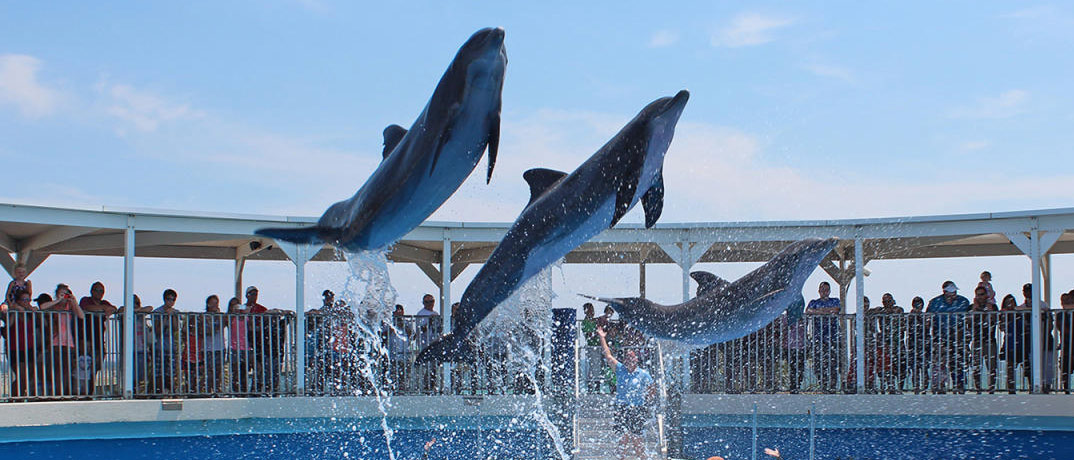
{"x":56,"y":355}
{"x":907,"y":352}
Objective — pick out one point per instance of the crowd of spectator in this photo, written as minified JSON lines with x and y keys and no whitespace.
{"x":57,"y":346}
{"x":949,"y":343}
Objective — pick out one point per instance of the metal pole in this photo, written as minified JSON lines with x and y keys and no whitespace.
{"x":859,"y":316}
{"x":641,"y":280}
{"x":812,"y":431}
{"x":1034,"y":249}
{"x":445,"y":302}
{"x":128,"y":311}
{"x":300,"y":319}
{"x":754,"y":452}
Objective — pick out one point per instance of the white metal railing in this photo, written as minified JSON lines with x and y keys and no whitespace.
{"x":904,"y":352}
{"x":55,"y":355}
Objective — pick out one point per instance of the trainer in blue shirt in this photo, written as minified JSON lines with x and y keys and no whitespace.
{"x":631,"y":388}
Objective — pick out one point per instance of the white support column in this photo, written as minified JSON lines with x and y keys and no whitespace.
{"x":240,"y":265}
{"x":1046,"y":270}
{"x":641,"y":280}
{"x":859,"y":316}
{"x":128,"y":310}
{"x":300,"y":254}
{"x":445,"y":284}
{"x":445,"y":301}
{"x":1034,"y":245}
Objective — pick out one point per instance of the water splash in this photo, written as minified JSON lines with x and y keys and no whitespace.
{"x":371,"y":297}
{"x":524,"y":325}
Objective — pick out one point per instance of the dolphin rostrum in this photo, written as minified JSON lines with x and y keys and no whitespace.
{"x":565,"y":211}
{"x":422,"y":167}
{"x":725,"y":311}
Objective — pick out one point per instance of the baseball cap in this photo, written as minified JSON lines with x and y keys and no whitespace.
{"x":251,"y":288}
{"x":949,"y":286}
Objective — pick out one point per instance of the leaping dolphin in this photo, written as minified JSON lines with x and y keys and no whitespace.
{"x":424,"y":166}
{"x":725,"y":311}
{"x":565,"y":211}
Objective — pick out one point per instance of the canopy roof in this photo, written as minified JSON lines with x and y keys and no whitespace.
{"x":34,"y":232}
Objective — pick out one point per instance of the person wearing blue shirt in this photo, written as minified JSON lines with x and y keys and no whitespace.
{"x":949,"y":333}
{"x":633,"y":386}
{"x":826,"y":335}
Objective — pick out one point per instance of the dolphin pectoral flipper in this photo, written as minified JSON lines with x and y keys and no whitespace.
{"x":392,"y":135}
{"x":707,"y":282}
{"x":796,"y":310}
{"x":308,"y":235}
{"x":653,"y":200}
{"x":445,"y":134}
{"x":493,"y":141}
{"x":541,"y":180}
{"x":448,"y":348}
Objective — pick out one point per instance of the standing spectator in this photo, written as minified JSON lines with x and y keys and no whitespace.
{"x":918,"y":345}
{"x":593,"y":362}
{"x":428,"y":328}
{"x":890,"y":328}
{"x":214,"y":343}
{"x":1065,"y":318}
{"x":794,"y":345}
{"x":62,"y":340}
{"x":18,"y":285}
{"x":399,"y":334}
{"x":240,"y":346}
{"x":192,"y":354}
{"x":826,"y":336}
{"x":982,"y":325}
{"x":140,"y":343}
{"x":165,"y":327}
{"x":1047,"y":348}
{"x":634,"y":387}
{"x":268,"y":338}
{"x":1016,"y":334}
{"x":949,"y":334}
{"x":22,"y":321}
{"x":90,"y":336}
{"x":986,"y":283}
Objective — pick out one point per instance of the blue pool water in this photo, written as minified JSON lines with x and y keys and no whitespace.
{"x":732,"y":443}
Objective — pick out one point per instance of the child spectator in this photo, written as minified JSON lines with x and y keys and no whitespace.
{"x":18,"y":285}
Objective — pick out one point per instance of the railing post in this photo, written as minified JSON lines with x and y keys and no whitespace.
{"x":299,"y":255}
{"x":128,"y":310}
{"x":445,"y":306}
{"x":1035,"y":321}
{"x":859,"y":317}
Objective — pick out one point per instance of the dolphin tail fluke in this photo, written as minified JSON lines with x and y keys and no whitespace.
{"x":796,"y":310}
{"x":308,"y":235}
{"x":449,"y":348}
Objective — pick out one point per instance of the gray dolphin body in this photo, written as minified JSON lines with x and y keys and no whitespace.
{"x":725,"y":311}
{"x":425,"y":165}
{"x":567,"y":210}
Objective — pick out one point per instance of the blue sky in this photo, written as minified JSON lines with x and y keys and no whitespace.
{"x":805,"y":110}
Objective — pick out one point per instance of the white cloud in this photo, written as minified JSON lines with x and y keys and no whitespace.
{"x":662,"y":38}
{"x":719,"y":173}
{"x":20,"y":87}
{"x":973,"y":146}
{"x":830,"y":71}
{"x":749,"y":29}
{"x":142,"y":109}
{"x":1006,"y":105}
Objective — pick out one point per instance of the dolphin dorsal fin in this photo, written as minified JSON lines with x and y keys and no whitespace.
{"x":392,"y":135}
{"x":541,"y":180}
{"x":707,"y":281}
